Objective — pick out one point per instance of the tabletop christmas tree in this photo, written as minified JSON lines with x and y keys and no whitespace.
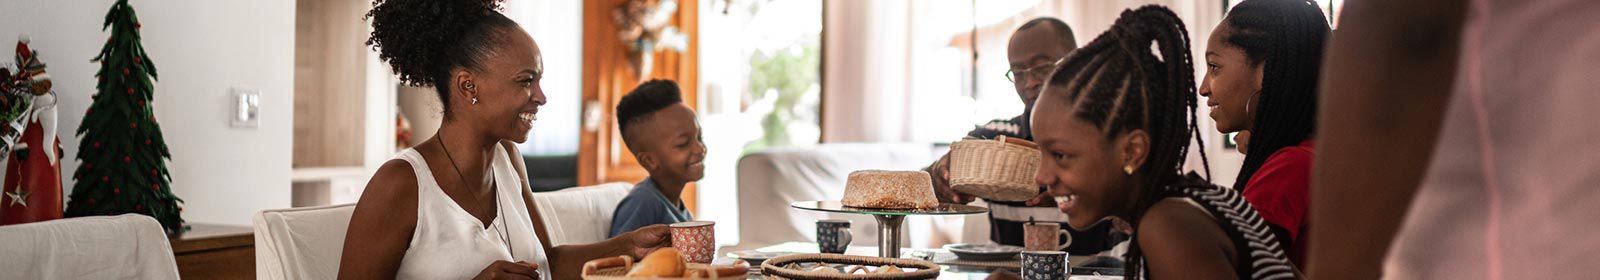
{"x":121,"y":153}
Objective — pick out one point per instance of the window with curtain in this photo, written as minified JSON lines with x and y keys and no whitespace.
{"x":558,"y":28}
{"x":760,"y":75}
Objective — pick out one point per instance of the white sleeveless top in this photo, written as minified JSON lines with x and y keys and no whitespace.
{"x":449,"y":243}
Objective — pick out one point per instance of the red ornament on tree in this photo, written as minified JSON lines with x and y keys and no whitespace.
{"x":96,"y":146}
{"x":147,"y":141}
{"x":141,"y":103}
{"x":136,"y":60}
{"x":116,"y":190}
{"x":130,"y":91}
{"x":155,"y":187}
{"x":133,"y":125}
{"x":139,"y":207}
{"x":126,"y":159}
{"x":124,"y":71}
{"x":104,"y":179}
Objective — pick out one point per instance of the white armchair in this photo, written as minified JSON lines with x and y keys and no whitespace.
{"x":129,"y":246}
{"x":579,"y":215}
{"x":306,"y":243}
{"x":301,"y":243}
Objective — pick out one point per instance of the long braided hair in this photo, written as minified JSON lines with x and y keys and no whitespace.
{"x":1289,"y":36}
{"x":1116,"y":83}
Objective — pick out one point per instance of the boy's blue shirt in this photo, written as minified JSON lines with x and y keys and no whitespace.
{"x":645,"y":205}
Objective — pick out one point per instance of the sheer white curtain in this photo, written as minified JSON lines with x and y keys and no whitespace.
{"x":899,"y":71}
{"x":865,"y":71}
{"x":557,"y":25}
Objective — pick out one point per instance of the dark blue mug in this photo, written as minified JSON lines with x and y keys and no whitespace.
{"x":833,"y":236}
{"x":1044,"y":265}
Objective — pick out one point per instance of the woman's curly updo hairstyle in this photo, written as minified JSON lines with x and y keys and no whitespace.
{"x":423,"y":40}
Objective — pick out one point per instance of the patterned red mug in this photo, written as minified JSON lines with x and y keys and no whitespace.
{"x":696,"y":240}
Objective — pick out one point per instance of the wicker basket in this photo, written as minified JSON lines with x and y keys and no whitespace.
{"x":614,"y":268}
{"x":1001,"y":169}
{"x":775,"y":268}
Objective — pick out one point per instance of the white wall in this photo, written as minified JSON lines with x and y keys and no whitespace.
{"x":202,"y":49}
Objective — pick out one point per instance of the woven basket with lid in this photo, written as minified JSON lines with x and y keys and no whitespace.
{"x":999,"y":169}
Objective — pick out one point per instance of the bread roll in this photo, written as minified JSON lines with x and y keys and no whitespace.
{"x":664,"y":262}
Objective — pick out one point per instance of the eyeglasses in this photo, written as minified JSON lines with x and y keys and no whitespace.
{"x":1037,"y":72}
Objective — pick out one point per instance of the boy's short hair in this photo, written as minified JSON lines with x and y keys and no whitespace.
{"x":650,"y":97}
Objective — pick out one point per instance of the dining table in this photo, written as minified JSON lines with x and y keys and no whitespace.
{"x":951,"y":267}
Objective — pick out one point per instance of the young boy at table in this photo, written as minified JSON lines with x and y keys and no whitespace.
{"x":664,"y":136}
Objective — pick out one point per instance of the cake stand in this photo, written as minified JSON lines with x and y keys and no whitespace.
{"x":889,"y":220}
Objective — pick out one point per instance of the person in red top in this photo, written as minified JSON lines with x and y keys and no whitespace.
{"x":1262,"y":65}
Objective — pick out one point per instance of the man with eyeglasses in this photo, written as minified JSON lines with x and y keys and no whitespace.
{"x":1034,"y":50}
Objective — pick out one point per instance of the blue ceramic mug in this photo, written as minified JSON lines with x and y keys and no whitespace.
{"x":1044,"y":265}
{"x":833,"y":236}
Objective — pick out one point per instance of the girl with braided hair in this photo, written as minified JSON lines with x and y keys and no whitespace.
{"x":1114,"y":125}
{"x":458,"y":206}
{"x":1262,"y":65}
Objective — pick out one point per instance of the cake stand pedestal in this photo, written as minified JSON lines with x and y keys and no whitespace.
{"x":889,"y":220}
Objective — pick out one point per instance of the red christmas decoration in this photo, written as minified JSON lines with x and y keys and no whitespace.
{"x":126,"y":159}
{"x":155,"y":187}
{"x":105,"y":179}
{"x":130,"y":91}
{"x":124,"y":71}
{"x":96,"y":146}
{"x":116,"y":190}
{"x":133,"y":125}
{"x":147,"y":142}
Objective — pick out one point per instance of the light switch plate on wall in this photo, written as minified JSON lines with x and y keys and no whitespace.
{"x":246,"y":108}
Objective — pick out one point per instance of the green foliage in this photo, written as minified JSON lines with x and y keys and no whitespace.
{"x":789,"y":75}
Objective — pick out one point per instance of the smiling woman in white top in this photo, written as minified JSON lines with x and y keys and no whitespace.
{"x":457,"y":205}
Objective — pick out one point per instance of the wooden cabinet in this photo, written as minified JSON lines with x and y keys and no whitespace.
{"x":216,"y":252}
{"x":608,"y":75}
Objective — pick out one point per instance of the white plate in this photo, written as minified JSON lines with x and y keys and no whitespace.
{"x":984,"y":251}
{"x":756,"y":257}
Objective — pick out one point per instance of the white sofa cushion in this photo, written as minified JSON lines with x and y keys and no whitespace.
{"x":579,"y":215}
{"x":769,"y":180}
{"x":129,"y":246}
{"x":301,"y":243}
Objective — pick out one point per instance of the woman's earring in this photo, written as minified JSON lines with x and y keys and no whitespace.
{"x":1247,"y":104}
{"x":1127,"y":169}
{"x":474,"y":101}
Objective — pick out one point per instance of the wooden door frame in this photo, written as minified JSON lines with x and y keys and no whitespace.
{"x":607,"y":75}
